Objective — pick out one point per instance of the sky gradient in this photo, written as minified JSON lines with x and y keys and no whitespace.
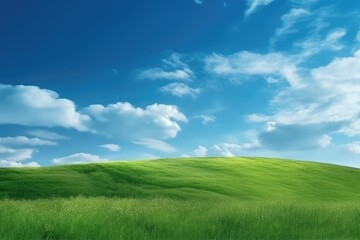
{"x":91,"y":81}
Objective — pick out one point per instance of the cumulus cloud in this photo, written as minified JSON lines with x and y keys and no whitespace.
{"x":180,"y":90}
{"x":200,"y":151}
{"x":44,"y":134}
{"x":12,"y":157}
{"x":15,"y":155}
{"x":156,"y":144}
{"x":123,"y":120}
{"x":79,"y":158}
{"x":254,"y":5}
{"x":111,"y":147}
{"x":327,"y":103}
{"x":24,"y":141}
{"x":39,"y":107}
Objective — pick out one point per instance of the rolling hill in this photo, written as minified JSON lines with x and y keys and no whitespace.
{"x":193,"y":178}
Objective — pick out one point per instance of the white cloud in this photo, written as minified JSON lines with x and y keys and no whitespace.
{"x":44,"y":134}
{"x":357,"y":38}
{"x":180,"y":90}
{"x":24,"y":141}
{"x":4,"y":163}
{"x":354,"y":147}
{"x":254,"y":5}
{"x":156,"y":144}
{"x":173,"y":69}
{"x":158,"y":73}
{"x":15,"y":155}
{"x":200,"y":151}
{"x":223,"y":151}
{"x":289,"y":20}
{"x":327,"y":103}
{"x":248,"y":63}
{"x":229,"y":149}
{"x":325,"y":141}
{"x":132,"y":123}
{"x":79,"y":158}
{"x":206,"y":119}
{"x":32,"y":106}
{"x":315,"y":44}
{"x":111,"y":147}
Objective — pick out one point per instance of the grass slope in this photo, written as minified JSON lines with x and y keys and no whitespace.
{"x":204,"y":198}
{"x":198,"y":178}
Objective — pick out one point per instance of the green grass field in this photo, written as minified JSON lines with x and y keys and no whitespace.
{"x":203,"y":198}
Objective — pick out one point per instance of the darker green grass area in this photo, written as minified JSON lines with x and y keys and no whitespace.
{"x":198,"y":178}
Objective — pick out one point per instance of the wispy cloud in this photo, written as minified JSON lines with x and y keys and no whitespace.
{"x":289,"y":21}
{"x":111,"y":147}
{"x":180,"y":90}
{"x":79,"y":158}
{"x":254,"y":5}
{"x":24,"y":141}
{"x":158,"y":73}
{"x":156,"y":144}
{"x":174,"y":68}
{"x":45,"y":134}
{"x":206,"y":119}
{"x":253,"y":64}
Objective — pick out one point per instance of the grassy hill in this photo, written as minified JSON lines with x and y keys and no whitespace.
{"x":200,"y":198}
{"x":198,"y":178}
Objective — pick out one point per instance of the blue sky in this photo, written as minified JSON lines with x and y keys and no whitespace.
{"x":91,"y":81}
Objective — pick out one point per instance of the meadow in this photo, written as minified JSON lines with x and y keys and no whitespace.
{"x":200,"y":198}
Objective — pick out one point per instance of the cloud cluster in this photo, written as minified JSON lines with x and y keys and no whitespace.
{"x":10,"y":157}
{"x":175,"y":69}
{"x":125,"y":121}
{"x":43,"y":108}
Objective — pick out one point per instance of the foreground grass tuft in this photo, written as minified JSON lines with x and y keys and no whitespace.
{"x":103,"y":218}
